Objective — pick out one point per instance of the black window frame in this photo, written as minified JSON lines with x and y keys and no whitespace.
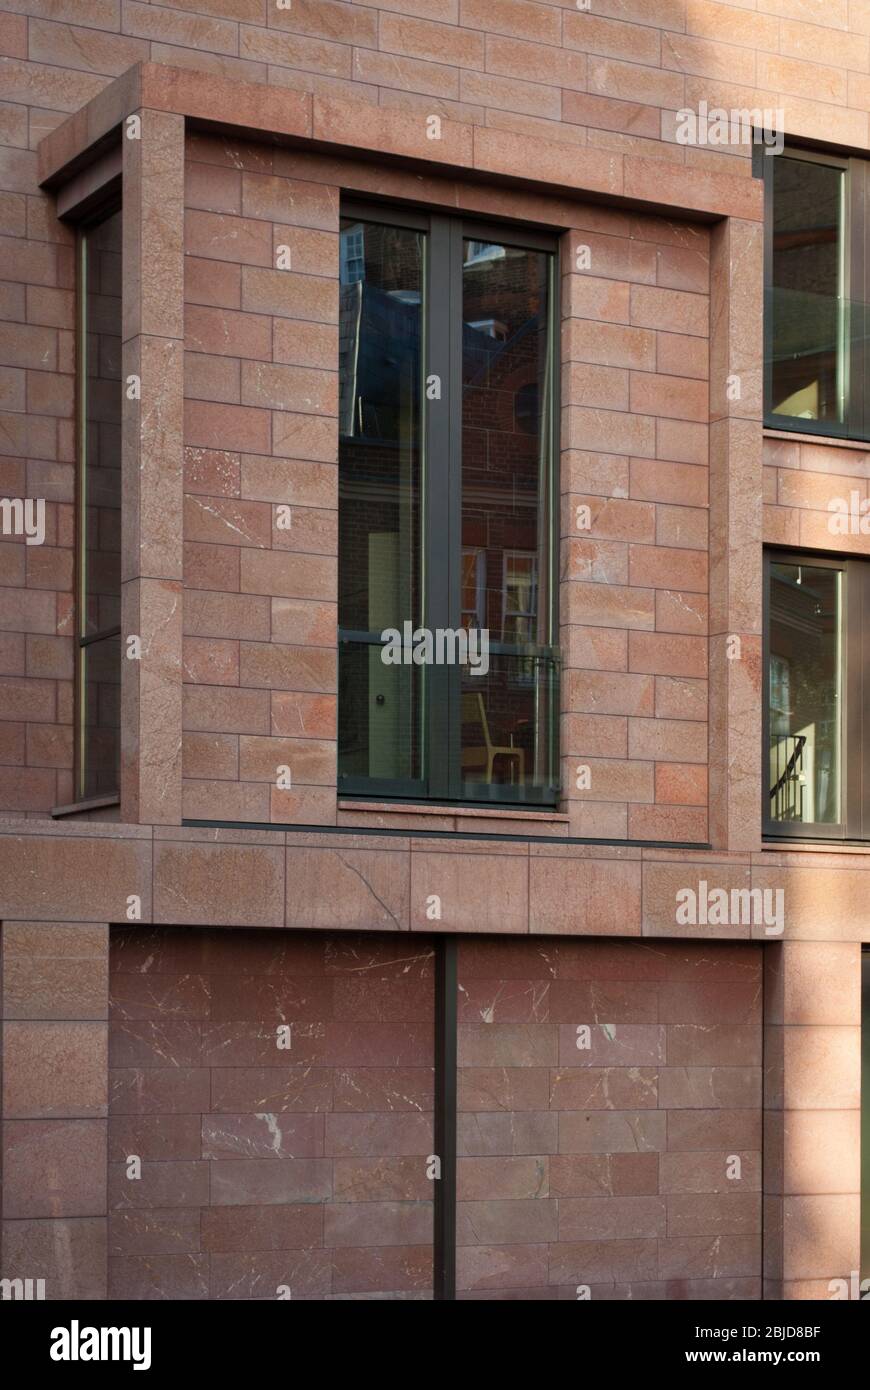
{"x":856,"y":293}
{"x":854,"y":825}
{"x":108,"y":205}
{"x":441,"y":439}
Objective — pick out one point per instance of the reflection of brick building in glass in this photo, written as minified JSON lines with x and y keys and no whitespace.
{"x":504,"y":361}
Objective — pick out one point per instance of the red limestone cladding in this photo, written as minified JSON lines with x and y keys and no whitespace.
{"x":635,"y":508}
{"x":37,"y":359}
{"x":261,"y":489}
{"x":278,"y":1089}
{"x":609,"y":1120}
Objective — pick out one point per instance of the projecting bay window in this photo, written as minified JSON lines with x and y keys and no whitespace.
{"x":448,"y":676}
{"x":816,"y":292}
{"x":98,"y":615}
{"x":816,"y":763}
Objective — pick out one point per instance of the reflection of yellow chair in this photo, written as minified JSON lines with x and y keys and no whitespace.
{"x":482,"y":755}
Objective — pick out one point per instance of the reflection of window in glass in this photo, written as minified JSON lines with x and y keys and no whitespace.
{"x":520,"y":589}
{"x":491,"y":327}
{"x":446,"y":512}
{"x":478,"y":251}
{"x":507,"y":731}
{"x":805,"y":693}
{"x":98,"y":675}
{"x":780,"y":678}
{"x":473,"y":588}
{"x":352,"y":255}
{"x":808,"y":313}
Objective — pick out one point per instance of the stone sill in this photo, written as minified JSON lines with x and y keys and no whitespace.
{"x":401,"y":808}
{"x":813,"y":847}
{"x":825,"y":441}
{"x":93,"y":803}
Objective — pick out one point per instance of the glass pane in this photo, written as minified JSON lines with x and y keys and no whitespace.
{"x":378,"y":733}
{"x":101,"y":715}
{"x":102,"y":423}
{"x":806,"y":304}
{"x":380,"y":460}
{"x":509,"y":725}
{"x":508,"y":714}
{"x":805,"y":694}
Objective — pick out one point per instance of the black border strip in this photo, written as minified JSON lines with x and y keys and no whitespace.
{"x":437,"y":834}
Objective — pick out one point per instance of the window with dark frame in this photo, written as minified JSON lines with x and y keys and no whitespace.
{"x":447,"y":355}
{"x":815,"y":772}
{"x":817,"y":263}
{"x":98,"y":549}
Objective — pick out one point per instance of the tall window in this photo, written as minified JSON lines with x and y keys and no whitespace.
{"x":446,"y":511}
{"x":816,"y":768}
{"x":98,"y":609}
{"x":816,"y":318}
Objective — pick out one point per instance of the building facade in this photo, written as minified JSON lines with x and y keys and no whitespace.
{"x":433,"y":813}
